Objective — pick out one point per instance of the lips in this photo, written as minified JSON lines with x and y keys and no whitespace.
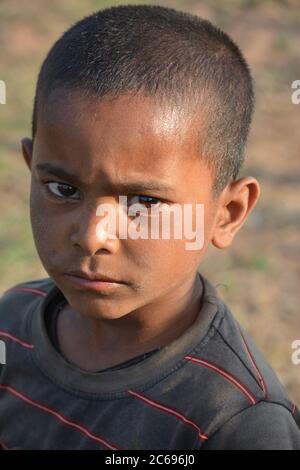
{"x":95,"y":282}
{"x":94,"y":276}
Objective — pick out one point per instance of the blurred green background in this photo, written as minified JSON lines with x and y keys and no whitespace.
{"x":259,"y":275}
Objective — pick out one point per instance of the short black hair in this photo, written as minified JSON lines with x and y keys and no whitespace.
{"x":169,"y":54}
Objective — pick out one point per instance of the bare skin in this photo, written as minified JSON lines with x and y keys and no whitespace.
{"x":104,"y":143}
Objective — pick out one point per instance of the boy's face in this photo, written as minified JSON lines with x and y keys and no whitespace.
{"x":103,"y":144}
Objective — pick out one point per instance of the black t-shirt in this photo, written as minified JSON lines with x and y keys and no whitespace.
{"x":209,"y":388}
{"x":51,"y":317}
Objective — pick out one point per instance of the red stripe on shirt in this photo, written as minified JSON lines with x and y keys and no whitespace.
{"x":17,"y":340}
{"x":11,"y":336}
{"x":231,"y":378}
{"x":3,"y":446}
{"x":27,"y":289}
{"x":59,"y":416}
{"x":260,"y":377}
{"x":169,"y":410}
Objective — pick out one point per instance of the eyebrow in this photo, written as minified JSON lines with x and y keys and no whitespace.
{"x":131,"y":186}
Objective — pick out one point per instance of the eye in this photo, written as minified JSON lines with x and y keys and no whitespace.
{"x":60,"y":190}
{"x":146,"y":200}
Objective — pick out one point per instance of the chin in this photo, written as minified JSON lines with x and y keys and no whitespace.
{"x":104,"y":309}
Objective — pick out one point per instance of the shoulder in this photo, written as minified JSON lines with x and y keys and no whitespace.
{"x":264,"y":426}
{"x":239,"y":354}
{"x":17,"y":301}
{"x":231,"y":375}
{"x":34,"y":287}
{"x":28,"y":289}
{"x":230,"y":353}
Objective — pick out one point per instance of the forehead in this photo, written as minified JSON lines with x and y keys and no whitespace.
{"x":125,"y":137}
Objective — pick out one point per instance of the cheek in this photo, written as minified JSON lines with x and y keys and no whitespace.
{"x":161,"y":259}
{"x":182,"y":239}
{"x":45,"y":233}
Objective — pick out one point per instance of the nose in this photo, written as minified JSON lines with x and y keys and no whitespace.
{"x":97,"y":227}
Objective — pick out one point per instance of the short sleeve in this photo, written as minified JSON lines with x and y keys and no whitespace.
{"x":264,"y":426}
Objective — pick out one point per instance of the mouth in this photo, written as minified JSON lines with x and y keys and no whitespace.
{"x":94,"y":281}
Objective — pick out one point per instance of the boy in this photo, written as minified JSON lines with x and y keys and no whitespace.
{"x":126,"y":345}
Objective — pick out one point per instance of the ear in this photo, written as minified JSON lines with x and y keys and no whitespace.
{"x":236,"y":203}
{"x":27,"y":150}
